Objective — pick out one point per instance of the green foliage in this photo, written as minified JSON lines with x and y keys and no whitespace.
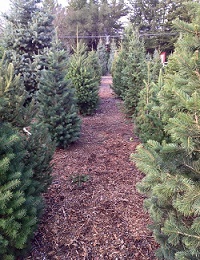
{"x":93,"y":18}
{"x":113,"y":50}
{"x":27,"y":33}
{"x":58,"y":109}
{"x":103,"y":57}
{"x":148,"y":124}
{"x":172,"y":166}
{"x":129,"y":70}
{"x":119,"y":85}
{"x":25,"y":161}
{"x":79,"y":179}
{"x":94,"y":62}
{"x":18,"y":205}
{"x":12,"y":98}
{"x":155,"y":17}
{"x":135,"y":71}
{"x":84,"y":81}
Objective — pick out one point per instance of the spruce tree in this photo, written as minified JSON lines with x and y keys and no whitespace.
{"x":82,"y":75}
{"x":58,"y":107}
{"x":172,"y":178}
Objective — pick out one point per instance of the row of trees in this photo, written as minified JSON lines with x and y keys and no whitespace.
{"x":166,"y":113}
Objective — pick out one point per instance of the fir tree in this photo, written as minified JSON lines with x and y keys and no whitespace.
{"x":119,"y":86}
{"x":135,"y":71}
{"x":12,"y":98}
{"x":103,"y":57}
{"x":25,"y":166}
{"x":93,"y":61}
{"x":148,"y":124}
{"x":27,"y":33}
{"x":113,"y":50}
{"x":172,"y":167}
{"x":57,"y":100}
{"x":18,"y":215}
{"x":82,"y":75}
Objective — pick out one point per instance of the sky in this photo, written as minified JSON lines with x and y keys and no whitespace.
{"x":4,"y":4}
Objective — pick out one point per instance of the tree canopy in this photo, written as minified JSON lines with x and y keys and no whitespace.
{"x":91,"y":19}
{"x":154,"y":19}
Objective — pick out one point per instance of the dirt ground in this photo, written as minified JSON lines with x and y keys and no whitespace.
{"x":93,"y":209}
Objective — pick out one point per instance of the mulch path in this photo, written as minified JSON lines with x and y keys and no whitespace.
{"x":93,"y":209}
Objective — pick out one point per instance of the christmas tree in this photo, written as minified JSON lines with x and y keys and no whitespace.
{"x":83,"y":77}
{"x":113,"y":50}
{"x":148,"y":124}
{"x":27,"y":33}
{"x":119,"y":86}
{"x":58,"y":107}
{"x":171,"y":167}
{"x":103,"y":57}
{"x":24,"y":166}
{"x":18,"y":215}
{"x":135,"y":71}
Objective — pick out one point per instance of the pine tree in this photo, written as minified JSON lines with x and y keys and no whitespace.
{"x":57,"y":100}
{"x":82,"y":76}
{"x":172,"y":167}
{"x":28,"y":32}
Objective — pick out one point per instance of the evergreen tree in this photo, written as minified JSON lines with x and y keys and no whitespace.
{"x":103,"y":57}
{"x":148,"y":124}
{"x":94,"y":62}
{"x":135,"y":71}
{"x":154,"y":17}
{"x":18,"y":215}
{"x":113,"y":50}
{"x":119,"y":86}
{"x":57,"y":101}
{"x":24,"y":167}
{"x":172,"y":167}
{"x":12,"y":98}
{"x":93,"y":18}
{"x":82,"y":76}
{"x":28,"y":32}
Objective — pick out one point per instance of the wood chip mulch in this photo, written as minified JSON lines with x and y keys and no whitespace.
{"x":93,"y":209}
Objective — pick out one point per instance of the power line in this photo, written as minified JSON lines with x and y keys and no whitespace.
{"x":114,"y":36}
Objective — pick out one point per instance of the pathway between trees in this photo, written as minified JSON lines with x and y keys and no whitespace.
{"x":100,"y":215}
